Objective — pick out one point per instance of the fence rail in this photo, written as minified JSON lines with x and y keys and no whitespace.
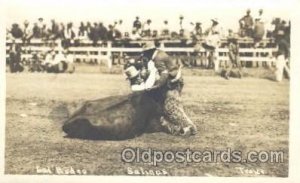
{"x":184,"y":49}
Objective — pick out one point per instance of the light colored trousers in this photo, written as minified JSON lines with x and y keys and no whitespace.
{"x":280,"y":63}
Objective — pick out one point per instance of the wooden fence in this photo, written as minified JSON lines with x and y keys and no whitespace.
{"x":180,"y":49}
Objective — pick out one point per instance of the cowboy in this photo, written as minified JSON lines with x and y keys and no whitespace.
{"x":282,"y":55}
{"x":212,"y":43}
{"x":167,"y":91}
{"x":141,"y":78}
{"x":233,"y":53}
{"x":15,"y":52}
{"x":246,"y":24}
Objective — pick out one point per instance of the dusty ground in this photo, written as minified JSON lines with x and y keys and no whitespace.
{"x":247,"y":114}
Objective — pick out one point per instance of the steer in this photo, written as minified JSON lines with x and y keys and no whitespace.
{"x":114,"y":118}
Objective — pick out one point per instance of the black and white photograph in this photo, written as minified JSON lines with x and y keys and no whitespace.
{"x":148,"y":89}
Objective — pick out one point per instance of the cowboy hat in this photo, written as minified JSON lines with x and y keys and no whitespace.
{"x":131,"y":72}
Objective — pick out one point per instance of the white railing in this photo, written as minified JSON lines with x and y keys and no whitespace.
{"x":105,"y":52}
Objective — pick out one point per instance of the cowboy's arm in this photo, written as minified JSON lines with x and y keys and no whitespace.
{"x":138,"y":87}
{"x":152,"y":75}
{"x":167,"y":68}
{"x":150,"y":80}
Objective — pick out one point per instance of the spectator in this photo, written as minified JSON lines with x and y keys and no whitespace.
{"x":147,"y":29}
{"x":183,"y":34}
{"x":271,"y":28}
{"x":89,"y":30}
{"x":49,"y":59}
{"x":197,"y":32}
{"x":279,"y":25}
{"x":94,"y":34}
{"x":68,"y":62}
{"x":44,"y":34}
{"x":16,"y":32}
{"x":275,"y":24}
{"x":212,"y":43}
{"x":35,"y":64}
{"x":126,"y":36}
{"x":27,"y":33}
{"x":198,"y":29}
{"x":117,"y":33}
{"x":15,"y":58}
{"x":40,"y":23}
{"x":68,"y":35}
{"x":181,"y":22}
{"x":233,"y":53}
{"x":287,"y":31}
{"x":36,"y":31}
{"x":135,"y":35}
{"x":155,"y":34}
{"x":57,"y":63}
{"x":165,"y":30}
{"x":54,"y":30}
{"x":61,"y":30}
{"x":137,"y":25}
{"x":260,"y":16}
{"x":102,"y":32}
{"x":259,"y":31}
{"x":82,"y":33}
{"x":246,"y":25}
{"x":119,"y":28}
{"x":283,"y":54}
{"x":111,"y":35}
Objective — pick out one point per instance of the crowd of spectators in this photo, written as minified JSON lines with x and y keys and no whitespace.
{"x":252,"y":27}
{"x":96,"y":31}
{"x":256,"y":28}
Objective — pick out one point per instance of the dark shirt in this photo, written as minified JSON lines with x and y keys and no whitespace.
{"x":36,"y":32}
{"x":102,"y":33}
{"x":233,"y":47}
{"x":248,"y":21}
{"x":111,"y":35}
{"x":198,"y":31}
{"x":17,"y":32}
{"x":137,"y":24}
{"x":94,"y":34}
{"x":54,"y":29}
{"x":283,"y":48}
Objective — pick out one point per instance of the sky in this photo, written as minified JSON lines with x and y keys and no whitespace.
{"x":228,"y":12}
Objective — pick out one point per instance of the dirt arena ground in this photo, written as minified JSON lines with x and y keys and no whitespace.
{"x":247,"y":114}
